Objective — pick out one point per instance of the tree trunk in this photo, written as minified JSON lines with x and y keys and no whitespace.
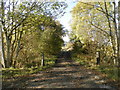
{"x":1,"y":35}
{"x":42,"y":61}
{"x":8,"y":53}
{"x":98,"y":58}
{"x":2,"y":53}
{"x":116,"y":21}
{"x":112,"y":38}
{"x":119,"y":32}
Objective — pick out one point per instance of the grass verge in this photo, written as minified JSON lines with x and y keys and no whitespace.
{"x":111,"y":71}
{"x":16,"y":72}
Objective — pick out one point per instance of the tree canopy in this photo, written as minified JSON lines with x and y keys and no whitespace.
{"x":19,"y":19}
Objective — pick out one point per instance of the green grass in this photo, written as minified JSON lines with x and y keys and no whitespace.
{"x":14,"y":72}
{"x":110,"y":70}
{"x":81,"y":62}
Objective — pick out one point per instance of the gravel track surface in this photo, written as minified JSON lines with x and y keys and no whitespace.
{"x":65,"y":74}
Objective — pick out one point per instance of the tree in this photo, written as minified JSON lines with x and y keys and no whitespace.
{"x":89,"y":25}
{"x":13,"y":16}
{"x":41,"y":41}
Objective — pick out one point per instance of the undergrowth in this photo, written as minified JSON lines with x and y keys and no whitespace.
{"x":15,"y":72}
{"x":110,"y":70}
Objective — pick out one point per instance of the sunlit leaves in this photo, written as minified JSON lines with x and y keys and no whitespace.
{"x":90,"y":24}
{"x":19,"y":18}
{"x":86,"y":13}
{"x":43,"y":35}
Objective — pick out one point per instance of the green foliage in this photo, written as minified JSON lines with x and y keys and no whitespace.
{"x":111,"y":71}
{"x":42,"y":35}
{"x":90,"y":26}
{"x":16,"y":72}
{"x":34,"y":20}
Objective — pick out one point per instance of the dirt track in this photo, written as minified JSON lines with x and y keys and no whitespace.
{"x":66,"y":74}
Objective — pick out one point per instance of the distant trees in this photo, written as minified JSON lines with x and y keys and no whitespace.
{"x":17,"y":19}
{"x":44,"y":39}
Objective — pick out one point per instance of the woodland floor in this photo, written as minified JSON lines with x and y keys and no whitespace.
{"x":65,"y":74}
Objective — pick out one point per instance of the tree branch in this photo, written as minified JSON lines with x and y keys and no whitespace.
{"x":101,"y":10}
{"x":14,"y":27}
{"x":99,"y":28}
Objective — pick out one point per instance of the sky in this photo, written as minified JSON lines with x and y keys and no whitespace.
{"x":65,"y":20}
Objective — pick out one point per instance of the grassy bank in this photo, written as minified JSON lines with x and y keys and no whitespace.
{"x":111,"y":71}
{"x":15,"y":72}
